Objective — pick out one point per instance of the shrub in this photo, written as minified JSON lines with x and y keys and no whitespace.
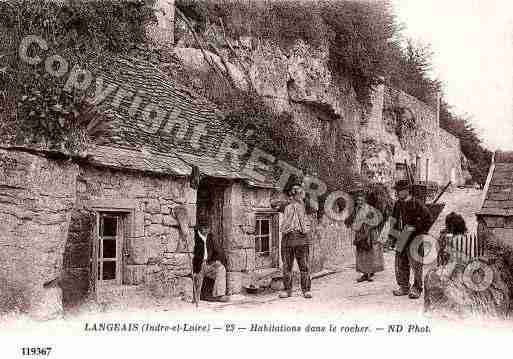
{"x":39,"y":111}
{"x":357,"y":33}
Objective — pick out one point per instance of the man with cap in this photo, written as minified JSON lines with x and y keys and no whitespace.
{"x":295,"y":243}
{"x":206,"y":262}
{"x":413,"y":218}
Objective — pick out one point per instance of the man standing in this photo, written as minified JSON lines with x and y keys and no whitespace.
{"x":412,"y":218}
{"x":295,"y":243}
{"x":206,"y":262}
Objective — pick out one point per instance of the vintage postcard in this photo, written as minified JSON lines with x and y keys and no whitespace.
{"x":177,"y":175}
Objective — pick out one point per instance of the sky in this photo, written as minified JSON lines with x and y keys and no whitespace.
{"x":472,"y":41}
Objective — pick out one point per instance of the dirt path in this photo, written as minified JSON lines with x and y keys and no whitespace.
{"x":341,"y":294}
{"x":336,"y":294}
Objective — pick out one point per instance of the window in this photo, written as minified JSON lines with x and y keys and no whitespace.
{"x":401,"y":171}
{"x":263,"y":235}
{"x":109,"y":247}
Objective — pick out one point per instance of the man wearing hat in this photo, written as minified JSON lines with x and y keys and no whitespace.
{"x":295,"y":244}
{"x":207,"y":262}
{"x":409,"y":212}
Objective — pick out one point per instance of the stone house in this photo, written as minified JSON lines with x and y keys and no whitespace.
{"x":496,"y":214}
{"x":120,"y":218}
{"x":153,"y":178}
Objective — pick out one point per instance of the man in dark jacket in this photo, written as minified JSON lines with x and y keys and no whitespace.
{"x":206,"y":262}
{"x":412,"y":217}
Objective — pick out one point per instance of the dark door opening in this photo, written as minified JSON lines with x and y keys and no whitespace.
{"x":210,"y":203}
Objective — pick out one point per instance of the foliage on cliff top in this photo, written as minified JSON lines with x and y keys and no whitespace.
{"x":365,"y":45}
{"x":363,"y":37}
{"x":40,"y":112}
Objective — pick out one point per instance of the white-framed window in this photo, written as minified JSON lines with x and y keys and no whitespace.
{"x":263,"y":234}
{"x":401,"y":171}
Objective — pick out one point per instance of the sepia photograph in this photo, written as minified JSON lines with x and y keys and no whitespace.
{"x":297,"y":172}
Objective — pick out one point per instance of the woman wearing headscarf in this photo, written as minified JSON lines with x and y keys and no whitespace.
{"x":367,"y":223}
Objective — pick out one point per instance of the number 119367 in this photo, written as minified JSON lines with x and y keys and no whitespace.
{"x":36,"y":351}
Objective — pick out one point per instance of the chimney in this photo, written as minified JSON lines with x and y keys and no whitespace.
{"x":163,"y":32}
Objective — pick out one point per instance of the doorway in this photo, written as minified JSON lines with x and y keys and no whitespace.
{"x":210,"y":203}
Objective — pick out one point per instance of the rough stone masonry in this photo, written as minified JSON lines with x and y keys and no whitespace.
{"x":36,"y":199}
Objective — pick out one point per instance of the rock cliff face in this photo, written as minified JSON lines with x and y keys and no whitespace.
{"x":400,"y":128}
{"x":36,"y":198}
{"x":297,"y":82}
{"x":369,"y":141}
{"x":324,"y":109}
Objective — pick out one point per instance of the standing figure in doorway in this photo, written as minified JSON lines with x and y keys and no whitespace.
{"x":206,"y":262}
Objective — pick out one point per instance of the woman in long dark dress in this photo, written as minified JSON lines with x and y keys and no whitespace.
{"x":367,"y":223}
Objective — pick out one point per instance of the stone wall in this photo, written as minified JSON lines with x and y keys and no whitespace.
{"x":399,"y":128}
{"x":239,"y":229}
{"x":36,"y":199}
{"x":499,"y":227}
{"x":335,"y":250}
{"x":242,"y":204}
{"x":159,"y":255}
{"x":448,"y":159}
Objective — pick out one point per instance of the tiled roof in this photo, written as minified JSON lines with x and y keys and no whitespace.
{"x":172,"y":147}
{"x":120,"y":158}
{"x":499,"y":196}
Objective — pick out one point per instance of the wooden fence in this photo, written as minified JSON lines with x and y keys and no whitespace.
{"x":464,"y":248}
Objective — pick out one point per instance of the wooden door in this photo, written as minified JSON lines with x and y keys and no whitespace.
{"x":216,"y":218}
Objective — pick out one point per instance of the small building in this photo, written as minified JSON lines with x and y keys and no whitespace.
{"x":496,"y":213}
{"x":118,"y":219}
{"x":153,"y":178}
{"x":158,"y":172}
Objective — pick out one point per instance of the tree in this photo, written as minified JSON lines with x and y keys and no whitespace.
{"x":410,"y":68}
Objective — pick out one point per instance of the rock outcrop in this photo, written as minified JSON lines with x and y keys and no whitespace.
{"x":466,"y":292}
{"x":36,"y":198}
{"x":480,"y":288}
{"x":298,"y":82}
